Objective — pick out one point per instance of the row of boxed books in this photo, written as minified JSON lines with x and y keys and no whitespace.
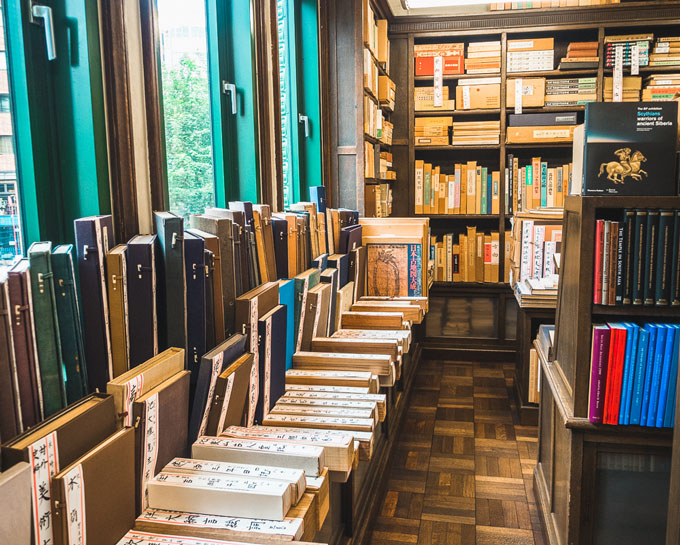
{"x":632,"y":48}
{"x":470,"y":189}
{"x":531,"y":54}
{"x":502,"y":6}
{"x":581,"y":56}
{"x":378,"y":200}
{"x":535,"y":241}
{"x":481,"y":58}
{"x":243,"y":380}
{"x":636,"y":259}
{"x":375,"y":35}
{"x":535,"y":185}
{"x":470,"y":257}
{"x":371,"y":73}
{"x":633,"y":374}
{"x":443,"y":131}
{"x":666,"y":51}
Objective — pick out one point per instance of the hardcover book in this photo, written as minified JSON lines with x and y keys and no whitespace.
{"x":228,"y":407}
{"x":272,"y":373}
{"x":629,"y":148}
{"x":394,"y":267}
{"x":10,"y":407}
{"x":15,"y":504}
{"x":116,"y":280}
{"x":194,"y":260}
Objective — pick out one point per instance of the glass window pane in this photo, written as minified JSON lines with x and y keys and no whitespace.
{"x":11,"y":237}
{"x":186,"y":106}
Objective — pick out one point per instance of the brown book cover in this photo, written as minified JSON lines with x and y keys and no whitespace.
{"x":161,"y":420}
{"x":116,"y":279}
{"x":230,"y":397}
{"x":91,"y":497}
{"x":15,"y":504}
{"x":264,"y":210}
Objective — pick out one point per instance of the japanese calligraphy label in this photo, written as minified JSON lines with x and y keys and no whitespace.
{"x":44,"y":460}
{"x":133,"y":389}
{"x":268,"y":366}
{"x":254,"y":372}
{"x":216,"y":368}
{"x":74,"y":508}
{"x":225,"y":403}
{"x":150,"y":444}
{"x":438,"y":82}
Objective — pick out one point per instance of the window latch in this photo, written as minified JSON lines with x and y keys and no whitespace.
{"x":231,"y":89}
{"x":39,"y":11}
{"x":305,"y":121}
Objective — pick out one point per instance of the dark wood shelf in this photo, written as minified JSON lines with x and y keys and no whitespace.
{"x":374,"y":140}
{"x":377,"y":180}
{"x":434,"y":113}
{"x":592,"y":72}
{"x":550,"y":109}
{"x":539,"y":145}
{"x":471,"y":285}
{"x":458,"y":76}
{"x":450,"y":147}
{"x":459,"y":217}
{"x":647,"y":69}
{"x":370,"y":94}
{"x":636,"y":310}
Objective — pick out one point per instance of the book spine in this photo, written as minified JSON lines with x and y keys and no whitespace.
{"x":544,"y":184}
{"x":628,"y":255}
{"x":640,"y":371}
{"x":628,"y":371}
{"x":618,"y":296}
{"x":675,"y":267}
{"x":605,"y":263}
{"x":609,"y":382}
{"x":649,"y":372}
{"x":664,"y":258}
{"x":659,"y":352}
{"x":639,"y":256}
{"x":669,"y":413}
{"x":651,"y":256}
{"x":599,"y":358}
{"x":597,"y":280}
{"x":671,"y":332}
{"x":613,"y":249}
{"x":619,"y":362}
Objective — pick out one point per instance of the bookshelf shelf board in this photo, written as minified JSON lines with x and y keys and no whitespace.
{"x":467,"y":285}
{"x":642,"y":311}
{"x":377,"y":180}
{"x":459,"y":217}
{"x":592,"y":72}
{"x":647,"y":69}
{"x":550,"y":109}
{"x":373,"y":140}
{"x":371,"y":95}
{"x":381,"y":70}
{"x":539,"y":145}
{"x":458,"y":76}
{"x":387,"y":109}
{"x":429,"y":113}
{"x":450,"y":147}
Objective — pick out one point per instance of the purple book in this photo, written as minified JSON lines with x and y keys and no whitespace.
{"x":598,"y":372}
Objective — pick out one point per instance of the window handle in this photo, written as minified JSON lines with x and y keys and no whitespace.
{"x":231,"y":89}
{"x":39,"y":11}
{"x":305,"y":121}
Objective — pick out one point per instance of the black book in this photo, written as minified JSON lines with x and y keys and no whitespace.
{"x":630,"y":148}
{"x":628,"y":255}
{"x":664,"y":257}
{"x":675,"y":280}
{"x":639,"y":256}
{"x":209,"y":260}
{"x":651,"y":255}
{"x":280,"y":232}
{"x":511,"y":191}
{"x":194,"y":260}
{"x":531,"y":120}
{"x":618,"y":296}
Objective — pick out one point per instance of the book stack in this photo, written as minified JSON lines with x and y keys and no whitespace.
{"x":541,"y":128}
{"x":630,"y":89}
{"x":386,"y":92}
{"x":451,"y":54}
{"x":503,"y":6}
{"x":470,"y":257}
{"x":369,"y":160}
{"x":580,"y":56}
{"x":570,"y":92}
{"x":633,"y":374}
{"x":483,"y":58}
{"x":636,"y":259}
{"x":370,"y":73}
{"x":627,"y":42}
{"x":531,"y":55}
{"x":535,"y":241}
{"x":474,"y":133}
{"x":533,"y":92}
{"x":386,"y":165}
{"x":378,"y":200}
{"x":370,"y":28}
{"x":432,"y":131}
{"x":666,"y":52}
{"x":423,"y":99}
{"x":385,"y":130}
{"x":478,"y":94}
{"x":536,"y":185}
{"x":537,"y":292}
{"x":373,"y":117}
{"x":661,"y":87}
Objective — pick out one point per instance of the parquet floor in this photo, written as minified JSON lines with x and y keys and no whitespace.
{"x":462,"y":467}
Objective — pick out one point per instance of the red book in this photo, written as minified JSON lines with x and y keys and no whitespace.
{"x":599,"y":248}
{"x":613,"y":346}
{"x":619,"y":360}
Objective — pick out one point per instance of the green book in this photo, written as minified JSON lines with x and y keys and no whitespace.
{"x":426,"y":188}
{"x":47,"y":327}
{"x":70,"y":327}
{"x":484,"y":190}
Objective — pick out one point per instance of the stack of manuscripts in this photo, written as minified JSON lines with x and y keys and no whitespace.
{"x":570,"y":92}
{"x":627,"y":43}
{"x":661,"y":87}
{"x":580,"y":56}
{"x":666,"y":52}
{"x":483,"y":58}
{"x":630,"y":89}
{"x":432,"y":131}
{"x":531,"y":55}
{"x":280,"y":389}
{"x":476,"y":133}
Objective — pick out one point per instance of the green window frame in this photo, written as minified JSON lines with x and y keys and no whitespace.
{"x":58,"y":119}
{"x":298,"y":33}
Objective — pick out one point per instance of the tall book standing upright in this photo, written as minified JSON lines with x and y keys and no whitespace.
{"x":94,"y":238}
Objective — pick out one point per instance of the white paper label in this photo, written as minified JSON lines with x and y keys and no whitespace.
{"x":255,"y":433}
{"x":634,"y":60}
{"x":334,"y":374}
{"x":528,"y":44}
{"x":74,"y":508}
{"x":254,"y":372}
{"x":135,"y":537}
{"x":518,"y":96}
{"x":215,"y":482}
{"x":466,"y":97}
{"x":216,"y":368}
{"x":438,"y":82}
{"x":618,"y":74}
{"x":225,"y":403}
{"x":291,"y":527}
{"x":43,"y":455}
{"x":150,"y":444}
{"x":552,"y":133}
{"x":322,"y":419}
{"x":133,"y":390}
{"x":227,"y":468}
{"x":260,"y":446}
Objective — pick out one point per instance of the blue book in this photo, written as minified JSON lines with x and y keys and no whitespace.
{"x":544,"y":184}
{"x":287,"y":298}
{"x":628,"y":371}
{"x":665,"y":374}
{"x":649,"y":372}
{"x":669,"y":413}
{"x":639,"y":376}
{"x":489,"y":194}
{"x":659,"y":351}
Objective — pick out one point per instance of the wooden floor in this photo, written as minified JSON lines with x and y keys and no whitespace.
{"x":462,"y":467}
